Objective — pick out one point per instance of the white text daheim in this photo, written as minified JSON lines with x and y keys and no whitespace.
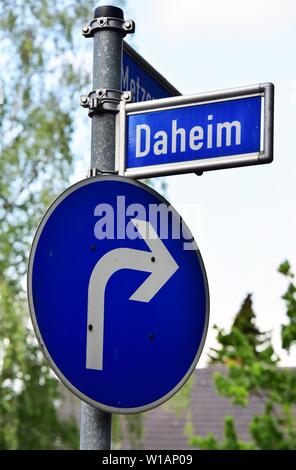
{"x":181,"y":140}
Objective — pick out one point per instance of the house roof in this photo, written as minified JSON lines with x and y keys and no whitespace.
{"x":164,"y":429}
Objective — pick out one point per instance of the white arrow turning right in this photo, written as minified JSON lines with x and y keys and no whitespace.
{"x":158,"y":262}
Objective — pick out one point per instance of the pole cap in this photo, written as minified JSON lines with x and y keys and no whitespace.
{"x":108,"y":11}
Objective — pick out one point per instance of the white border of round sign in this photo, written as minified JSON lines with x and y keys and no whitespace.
{"x":72,"y":388}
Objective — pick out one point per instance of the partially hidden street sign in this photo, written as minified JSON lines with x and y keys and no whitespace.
{"x":139,"y":77}
{"x":118,"y":294}
{"x":209,"y":131}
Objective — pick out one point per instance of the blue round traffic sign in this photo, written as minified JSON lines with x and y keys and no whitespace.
{"x":118,"y":294}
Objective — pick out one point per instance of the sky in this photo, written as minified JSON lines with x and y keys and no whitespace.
{"x":243,"y":219}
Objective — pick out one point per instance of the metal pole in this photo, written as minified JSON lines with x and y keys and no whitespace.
{"x":95,"y":428}
{"x":107,"y":61}
{"x":95,"y":432}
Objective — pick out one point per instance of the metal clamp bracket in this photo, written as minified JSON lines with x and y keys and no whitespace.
{"x":92,"y":172}
{"x":124,"y":26}
{"x":98,"y":101}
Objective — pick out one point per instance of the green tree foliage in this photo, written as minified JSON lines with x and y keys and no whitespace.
{"x":289,"y":330}
{"x":41,"y":79}
{"x":253,"y":370}
{"x":243,"y":332}
{"x":230,"y":442}
{"x":29,"y":395}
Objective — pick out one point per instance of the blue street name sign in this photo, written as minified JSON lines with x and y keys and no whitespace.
{"x":118,"y":294}
{"x":139,"y":77}
{"x":216,"y":130}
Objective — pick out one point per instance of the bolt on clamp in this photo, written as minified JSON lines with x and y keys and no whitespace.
{"x":92,"y":172}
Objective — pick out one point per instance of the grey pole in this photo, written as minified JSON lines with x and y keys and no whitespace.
{"x":106,"y":74}
{"x":95,"y":431}
{"x":95,"y":428}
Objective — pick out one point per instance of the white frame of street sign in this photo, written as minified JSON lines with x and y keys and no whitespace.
{"x":265,"y":90}
{"x":41,"y":342}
